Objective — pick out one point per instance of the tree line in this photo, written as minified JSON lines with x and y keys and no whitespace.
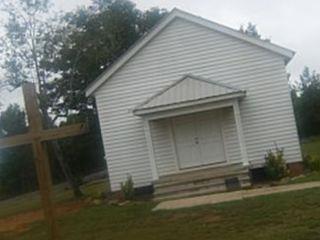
{"x":305,"y":95}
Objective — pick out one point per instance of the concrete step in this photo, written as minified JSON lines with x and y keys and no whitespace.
{"x":212,"y":171}
{"x":197,"y":192}
{"x":201,"y":181}
{"x":191,"y":177}
{"x":205,"y":183}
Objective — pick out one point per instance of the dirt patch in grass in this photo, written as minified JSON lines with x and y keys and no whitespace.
{"x":20,"y":223}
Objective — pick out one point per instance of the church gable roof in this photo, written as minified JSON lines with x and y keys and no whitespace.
{"x":176,"y":13}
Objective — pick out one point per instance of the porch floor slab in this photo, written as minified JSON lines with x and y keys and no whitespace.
{"x":231,"y":196}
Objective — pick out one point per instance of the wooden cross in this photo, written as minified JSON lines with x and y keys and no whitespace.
{"x":37,"y":136}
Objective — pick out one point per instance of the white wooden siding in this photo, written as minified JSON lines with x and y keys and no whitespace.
{"x":184,"y":47}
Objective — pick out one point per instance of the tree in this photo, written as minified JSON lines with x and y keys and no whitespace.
{"x":86,"y":153}
{"x":306,"y":100}
{"x":251,"y":30}
{"x":22,"y":45}
{"x":17,"y":172}
{"x":26,"y":45}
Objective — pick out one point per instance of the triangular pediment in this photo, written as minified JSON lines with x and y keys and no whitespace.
{"x":188,"y":89}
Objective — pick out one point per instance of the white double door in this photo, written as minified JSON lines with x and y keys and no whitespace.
{"x":198,"y":139}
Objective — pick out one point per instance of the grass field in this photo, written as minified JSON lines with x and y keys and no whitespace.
{"x":293,"y":215}
{"x":31,"y":201}
{"x":312,"y":147}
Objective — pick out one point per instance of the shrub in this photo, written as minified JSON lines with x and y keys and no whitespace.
{"x":127,"y":188}
{"x":312,"y":164}
{"x":276,"y":167}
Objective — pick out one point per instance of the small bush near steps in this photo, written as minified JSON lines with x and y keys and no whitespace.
{"x":127,"y":188}
{"x":276,"y":167}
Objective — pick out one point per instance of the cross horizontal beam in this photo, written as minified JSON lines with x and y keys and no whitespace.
{"x":64,"y":132}
{"x":16,"y":140}
{"x":44,"y":135}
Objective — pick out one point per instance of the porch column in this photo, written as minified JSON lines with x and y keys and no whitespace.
{"x":237,"y":116}
{"x":147,"y":132}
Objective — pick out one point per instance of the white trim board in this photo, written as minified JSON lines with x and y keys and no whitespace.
{"x":237,"y":117}
{"x":189,"y":110}
{"x":153,"y":165}
{"x":176,"y":13}
{"x":189,"y":104}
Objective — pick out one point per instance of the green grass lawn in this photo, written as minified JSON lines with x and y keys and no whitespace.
{"x":311,"y":147}
{"x":310,"y":177}
{"x":294,"y":215}
{"x":31,"y":201}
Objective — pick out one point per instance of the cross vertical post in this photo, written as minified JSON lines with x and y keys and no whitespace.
{"x":41,"y":158}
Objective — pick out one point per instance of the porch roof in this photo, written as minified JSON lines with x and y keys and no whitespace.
{"x":188,"y":91}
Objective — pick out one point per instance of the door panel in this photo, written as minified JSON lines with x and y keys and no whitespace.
{"x":189,"y":156}
{"x":185,"y":132}
{"x":198,"y":139}
{"x":210,"y":139}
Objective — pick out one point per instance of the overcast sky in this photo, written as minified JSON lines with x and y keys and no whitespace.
{"x":290,"y":23}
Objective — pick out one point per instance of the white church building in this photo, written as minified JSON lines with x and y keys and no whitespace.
{"x":192,"y":105}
